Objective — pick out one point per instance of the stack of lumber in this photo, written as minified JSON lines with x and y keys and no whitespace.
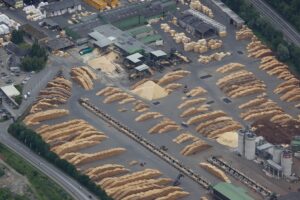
{"x":194,"y":110}
{"x":140,"y":106}
{"x":258,"y":50}
{"x":166,"y":125}
{"x":36,"y":118}
{"x":84,"y":77}
{"x":118,"y":97}
{"x":57,"y":91}
{"x":197,"y":5}
{"x":172,"y":86}
{"x":230,"y":67}
{"x":218,"y":56}
{"x":184,"y":137}
{"x":275,"y":68}
{"x":173,"y":76}
{"x":244,"y":33}
{"x":191,"y":102}
{"x":107,"y":91}
{"x":289,"y":90}
{"x":215,"y":171}
{"x":241,"y":83}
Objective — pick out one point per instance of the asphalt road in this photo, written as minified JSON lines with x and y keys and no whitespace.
{"x":67,"y":183}
{"x":279,"y":23}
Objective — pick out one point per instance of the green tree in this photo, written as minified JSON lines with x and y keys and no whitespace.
{"x":283,"y":52}
{"x":17,"y":36}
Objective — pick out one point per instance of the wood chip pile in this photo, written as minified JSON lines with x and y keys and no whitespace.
{"x":241,"y":83}
{"x":84,"y":76}
{"x":215,"y":171}
{"x":57,"y":92}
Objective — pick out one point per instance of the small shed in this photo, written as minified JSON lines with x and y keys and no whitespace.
{"x":10,"y":91}
{"x":158,"y":54}
{"x":135,"y":58}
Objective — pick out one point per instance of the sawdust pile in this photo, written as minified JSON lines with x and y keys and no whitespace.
{"x":241,"y":83}
{"x":229,"y":139}
{"x":105,"y":63}
{"x":84,"y":77}
{"x":57,"y":92}
{"x":150,"y":91}
{"x":215,"y":171}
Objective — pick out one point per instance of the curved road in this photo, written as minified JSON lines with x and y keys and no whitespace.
{"x":67,"y":183}
{"x":288,"y":30}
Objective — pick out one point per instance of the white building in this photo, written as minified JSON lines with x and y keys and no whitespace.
{"x":61,"y":7}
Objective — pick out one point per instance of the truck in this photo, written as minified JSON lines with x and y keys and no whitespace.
{"x":86,"y":51}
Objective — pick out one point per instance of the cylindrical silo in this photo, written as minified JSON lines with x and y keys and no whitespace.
{"x":277,"y":154}
{"x":287,"y":162}
{"x":250,"y":145}
{"x":241,"y":142}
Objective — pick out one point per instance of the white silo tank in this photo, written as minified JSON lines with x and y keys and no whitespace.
{"x":241,"y":142}
{"x":287,"y":162}
{"x":250,"y":145}
{"x":277,"y":154}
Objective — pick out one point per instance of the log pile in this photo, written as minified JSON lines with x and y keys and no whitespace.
{"x":84,"y":77}
{"x":172,"y":86}
{"x":194,"y":110}
{"x":173,"y":76}
{"x":258,"y":50}
{"x":117,"y":97}
{"x":140,"y":106}
{"x":191,"y":102}
{"x":230,"y":68}
{"x":36,"y":118}
{"x":244,"y":33}
{"x":196,"y":91}
{"x":194,"y":148}
{"x":57,"y":92}
{"x":215,"y":171}
{"x":147,"y":116}
{"x":275,"y":68}
{"x":218,"y":56}
{"x":289,"y":90}
{"x":241,"y":83}
{"x":166,"y":125}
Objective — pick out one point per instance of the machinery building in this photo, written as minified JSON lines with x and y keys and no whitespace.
{"x":107,"y":35}
{"x":203,"y":19}
{"x":196,"y":26}
{"x":227,"y":191}
{"x":137,"y":14}
{"x":61,"y":7}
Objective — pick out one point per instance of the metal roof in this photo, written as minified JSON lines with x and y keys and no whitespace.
{"x":33,"y":32}
{"x":60,"y":5}
{"x":59,"y":43}
{"x":274,"y":165}
{"x":10,"y":90}
{"x":158,"y":53}
{"x":232,"y":192}
{"x":150,"y":39}
{"x":100,"y":40}
{"x":135,"y":58}
{"x":140,"y":29}
{"x":142,"y":67}
{"x":228,"y":11}
{"x":122,"y":40}
{"x":265,"y":146}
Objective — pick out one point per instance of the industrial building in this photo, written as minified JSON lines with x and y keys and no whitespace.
{"x":295,"y":144}
{"x":196,"y":26}
{"x":33,"y":33}
{"x":227,"y":191}
{"x":102,"y":4}
{"x":137,"y":14}
{"x":106,"y":35}
{"x":232,"y":17}
{"x":218,"y":27}
{"x":58,"y":44}
{"x":61,"y":7}
{"x":134,"y":59}
{"x":246,"y":143}
{"x":141,"y":31}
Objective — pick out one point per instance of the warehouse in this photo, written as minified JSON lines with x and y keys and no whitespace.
{"x":33,"y":33}
{"x":61,"y":7}
{"x":120,"y":39}
{"x":227,"y":191}
{"x":59,"y":44}
{"x":196,"y":26}
{"x":141,"y":32}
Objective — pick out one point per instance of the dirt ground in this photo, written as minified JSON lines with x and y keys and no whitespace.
{"x":282,"y":135}
{"x":15,"y":182}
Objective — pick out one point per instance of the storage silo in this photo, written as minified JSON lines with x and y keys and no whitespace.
{"x":241,"y":142}
{"x":277,"y":153}
{"x":287,"y":162}
{"x":250,"y":145}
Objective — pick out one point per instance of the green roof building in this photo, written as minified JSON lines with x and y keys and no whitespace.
{"x":295,"y":144}
{"x":227,"y":191}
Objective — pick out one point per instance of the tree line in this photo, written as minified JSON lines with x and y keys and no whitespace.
{"x":284,"y":51}
{"x":34,"y":141}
